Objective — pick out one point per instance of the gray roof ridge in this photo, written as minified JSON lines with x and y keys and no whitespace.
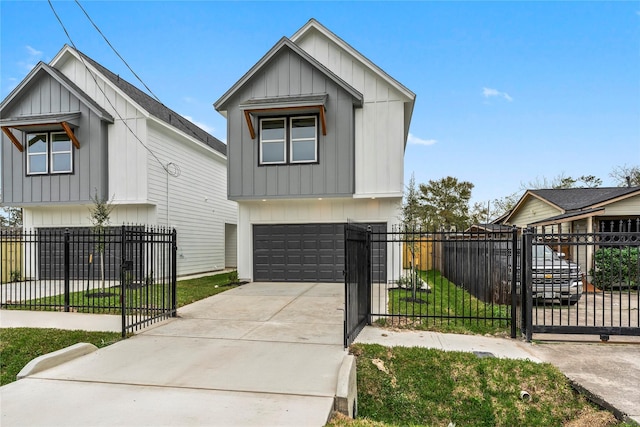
{"x":158,"y":109}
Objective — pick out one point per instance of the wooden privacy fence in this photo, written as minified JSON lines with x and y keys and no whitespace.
{"x":10,"y":256}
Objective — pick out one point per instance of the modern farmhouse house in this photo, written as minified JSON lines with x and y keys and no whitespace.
{"x":72,"y":130}
{"x":316,"y":138}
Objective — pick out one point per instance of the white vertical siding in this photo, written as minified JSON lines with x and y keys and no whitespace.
{"x":127,"y":156}
{"x":379,"y":126}
{"x":78,"y":216}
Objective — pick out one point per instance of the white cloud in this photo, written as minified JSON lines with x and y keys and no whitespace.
{"x":34,"y":52}
{"x":33,"y":56}
{"x":203,"y":126}
{"x":488,"y":93}
{"x":419,"y":141}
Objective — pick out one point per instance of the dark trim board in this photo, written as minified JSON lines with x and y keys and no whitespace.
{"x":304,"y":252}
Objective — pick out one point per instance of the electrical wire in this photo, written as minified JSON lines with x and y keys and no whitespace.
{"x":95,"y":80}
{"x":127,"y":65}
{"x":116,"y":52}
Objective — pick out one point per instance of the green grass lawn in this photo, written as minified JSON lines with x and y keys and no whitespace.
{"x":188,"y":291}
{"x":447,"y":308}
{"x":403,"y":386}
{"x":18,"y":346}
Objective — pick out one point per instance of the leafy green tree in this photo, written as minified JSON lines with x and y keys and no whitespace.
{"x":446,"y":203}
{"x":411,"y":214}
{"x":10,"y":217}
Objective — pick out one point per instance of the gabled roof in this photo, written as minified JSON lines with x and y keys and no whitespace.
{"x":495,"y":228}
{"x":313,"y":25}
{"x":153,"y":107}
{"x":575,"y":202}
{"x":38,"y":72}
{"x":285,"y":43}
{"x":569,"y":199}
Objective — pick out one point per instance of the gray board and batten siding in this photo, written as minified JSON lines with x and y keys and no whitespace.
{"x":288,"y":74}
{"x":46,"y":96}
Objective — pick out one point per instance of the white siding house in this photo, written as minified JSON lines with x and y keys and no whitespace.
{"x":158,"y":168}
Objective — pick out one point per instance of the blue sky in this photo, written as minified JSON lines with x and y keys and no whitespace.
{"x":507,"y":92}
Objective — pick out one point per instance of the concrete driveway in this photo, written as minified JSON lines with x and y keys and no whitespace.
{"x":261,"y":354}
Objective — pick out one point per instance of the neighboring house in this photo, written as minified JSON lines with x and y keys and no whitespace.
{"x":577,"y":210}
{"x":316,"y":138}
{"x":72,"y":130}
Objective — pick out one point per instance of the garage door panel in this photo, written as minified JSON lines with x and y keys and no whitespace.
{"x":300,"y":252}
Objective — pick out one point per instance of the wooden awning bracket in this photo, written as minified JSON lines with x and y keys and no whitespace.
{"x":12,"y":138}
{"x":70,"y":134}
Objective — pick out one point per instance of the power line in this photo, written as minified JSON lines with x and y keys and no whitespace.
{"x":115,"y":51}
{"x":95,"y":80}
{"x":179,"y":117}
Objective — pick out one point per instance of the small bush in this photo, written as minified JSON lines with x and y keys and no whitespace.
{"x":616,"y":267}
{"x":15,"y":276}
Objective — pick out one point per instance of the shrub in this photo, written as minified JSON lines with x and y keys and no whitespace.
{"x":616,"y":267}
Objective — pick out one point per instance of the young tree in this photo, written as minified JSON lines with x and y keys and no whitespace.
{"x":446,"y":202}
{"x":100,"y":214}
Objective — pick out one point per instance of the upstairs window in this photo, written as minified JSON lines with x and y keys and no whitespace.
{"x":49,"y":153}
{"x":288,"y":140}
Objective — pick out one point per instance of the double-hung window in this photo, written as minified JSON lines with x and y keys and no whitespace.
{"x":49,"y":153}
{"x":288,"y":140}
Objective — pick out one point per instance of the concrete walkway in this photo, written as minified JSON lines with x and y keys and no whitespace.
{"x":260,"y":354}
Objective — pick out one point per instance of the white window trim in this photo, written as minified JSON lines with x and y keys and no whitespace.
{"x":284,"y":141}
{"x":314,"y":139}
{"x":69,"y":152}
{"x":48,"y":154}
{"x":45,"y":154}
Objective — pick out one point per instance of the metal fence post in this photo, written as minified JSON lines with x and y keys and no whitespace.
{"x":174,"y":264}
{"x":66,"y":270}
{"x":525,"y":282}
{"x":514,"y":282}
{"x":123,"y":288}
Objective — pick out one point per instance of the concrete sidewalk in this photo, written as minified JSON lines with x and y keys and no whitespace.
{"x":260,"y":354}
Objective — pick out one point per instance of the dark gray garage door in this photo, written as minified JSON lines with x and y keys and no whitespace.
{"x":301,"y":252}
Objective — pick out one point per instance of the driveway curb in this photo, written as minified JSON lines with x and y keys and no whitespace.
{"x":50,"y":360}
{"x":346,"y":399}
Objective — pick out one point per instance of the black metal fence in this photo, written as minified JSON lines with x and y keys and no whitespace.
{"x":501,"y":279}
{"x":452,"y":280}
{"x":582,"y":283}
{"x":129,"y":271}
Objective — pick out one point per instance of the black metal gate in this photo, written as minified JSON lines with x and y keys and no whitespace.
{"x":147,"y":276}
{"x":131,"y":272}
{"x":584,"y":283}
{"x":356,"y":280}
